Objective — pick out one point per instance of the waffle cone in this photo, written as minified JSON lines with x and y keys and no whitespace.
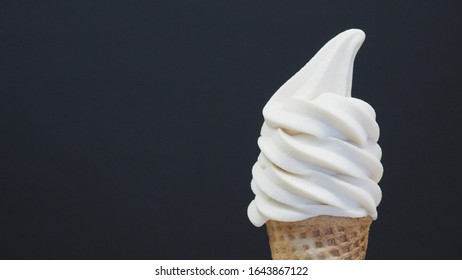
{"x":321,"y":237}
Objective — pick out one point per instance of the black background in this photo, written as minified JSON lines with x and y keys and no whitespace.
{"x":129,"y":128}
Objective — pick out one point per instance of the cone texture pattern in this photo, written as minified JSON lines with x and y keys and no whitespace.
{"x":321,"y":237}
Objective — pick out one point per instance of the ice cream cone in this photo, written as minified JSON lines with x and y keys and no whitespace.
{"x":319,"y":158}
{"x":321,"y":237}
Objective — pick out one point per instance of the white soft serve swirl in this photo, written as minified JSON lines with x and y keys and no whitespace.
{"x":319,"y":152}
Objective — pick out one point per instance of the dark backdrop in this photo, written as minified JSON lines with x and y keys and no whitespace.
{"x":129,"y":128}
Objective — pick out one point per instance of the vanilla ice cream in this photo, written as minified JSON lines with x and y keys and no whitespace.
{"x":319,"y":152}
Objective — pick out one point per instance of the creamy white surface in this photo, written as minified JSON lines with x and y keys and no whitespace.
{"x":319,"y":152}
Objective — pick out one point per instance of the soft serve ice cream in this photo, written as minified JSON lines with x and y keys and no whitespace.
{"x":319,"y":152}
